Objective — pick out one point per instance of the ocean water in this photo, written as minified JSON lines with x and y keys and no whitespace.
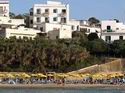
{"x":62,"y":90}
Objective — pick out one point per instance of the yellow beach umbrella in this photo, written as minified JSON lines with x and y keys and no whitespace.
{"x":61,"y":75}
{"x":115,"y":75}
{"x":2,"y":75}
{"x":9,"y":76}
{"x":17,"y":75}
{"x":50,"y":75}
{"x":33,"y":75}
{"x":24,"y":75}
{"x":75,"y":75}
{"x":96,"y":76}
{"x":86,"y":75}
{"x":41,"y":75}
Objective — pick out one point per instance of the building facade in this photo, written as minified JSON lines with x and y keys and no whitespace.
{"x":51,"y":12}
{"x":4,"y":8}
{"x":112,"y":30}
{"x":13,"y":27}
{"x":19,"y":32}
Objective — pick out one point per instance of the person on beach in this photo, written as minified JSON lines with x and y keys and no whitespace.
{"x":63,"y":81}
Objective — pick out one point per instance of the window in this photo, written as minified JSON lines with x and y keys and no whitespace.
{"x":54,"y":10}
{"x":108,"y":39}
{"x":64,"y":11}
{"x":46,"y":19}
{"x":38,"y":11}
{"x":117,"y":28}
{"x":46,"y":10}
{"x":31,"y":13}
{"x":78,"y":28}
{"x":55,"y":19}
{"x":73,"y":27}
{"x":57,"y":37}
{"x":88,"y":30}
{"x":41,"y":29}
{"x":31,"y":21}
{"x":63,"y":20}
{"x":108,"y":27}
{"x":1,"y":10}
{"x":120,"y":37}
{"x":38,"y":19}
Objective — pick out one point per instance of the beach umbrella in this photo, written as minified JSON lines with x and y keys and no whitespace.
{"x":9,"y":76}
{"x":41,"y":75}
{"x":61,"y":75}
{"x":17,"y":75}
{"x":74,"y":75}
{"x":99,"y":75}
{"x":24,"y":75}
{"x":50,"y":75}
{"x":33,"y":75}
{"x":86,"y":75}
{"x":115,"y":75}
{"x":2,"y":75}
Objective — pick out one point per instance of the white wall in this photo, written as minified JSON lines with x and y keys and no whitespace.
{"x":8,"y":21}
{"x":4,"y":4}
{"x":50,"y":5}
{"x":65,"y":34}
{"x":21,"y":32}
{"x":51,"y":27}
{"x":61,"y":34}
{"x":117,"y":27}
{"x":54,"y":30}
{"x":113,"y":36}
{"x":75,"y":23}
{"x":106,"y":23}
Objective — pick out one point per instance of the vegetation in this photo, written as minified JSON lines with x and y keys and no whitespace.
{"x":24,"y":16}
{"x":43,"y":55}
{"x":93,"y":21}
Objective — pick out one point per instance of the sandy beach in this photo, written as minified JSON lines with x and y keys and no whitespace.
{"x":61,"y":86}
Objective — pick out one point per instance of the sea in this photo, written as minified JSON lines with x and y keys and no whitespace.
{"x":61,"y":90}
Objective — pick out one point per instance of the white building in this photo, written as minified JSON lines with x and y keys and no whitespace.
{"x":75,"y":24}
{"x":19,"y":32}
{"x":112,"y":30}
{"x":13,"y":27}
{"x":4,"y":8}
{"x":6,"y":21}
{"x":58,"y":30}
{"x":51,"y":12}
{"x":52,"y":18}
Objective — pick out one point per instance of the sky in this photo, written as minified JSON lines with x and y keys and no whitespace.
{"x":80,"y":9}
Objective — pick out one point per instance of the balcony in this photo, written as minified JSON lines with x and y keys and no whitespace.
{"x":109,"y":30}
{"x":46,"y":14}
{"x":38,"y":14}
{"x":62,"y":14}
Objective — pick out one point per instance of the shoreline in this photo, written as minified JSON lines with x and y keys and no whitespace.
{"x":35,"y":86}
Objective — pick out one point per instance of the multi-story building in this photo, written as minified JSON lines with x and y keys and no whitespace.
{"x":13,"y":27}
{"x":51,"y":18}
{"x":112,"y":30}
{"x":4,"y":8}
{"x":5,"y":20}
{"x":19,"y":32}
{"x":52,"y":12}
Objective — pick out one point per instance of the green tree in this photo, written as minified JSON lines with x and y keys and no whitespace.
{"x":93,"y":21}
{"x":92,"y":36}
